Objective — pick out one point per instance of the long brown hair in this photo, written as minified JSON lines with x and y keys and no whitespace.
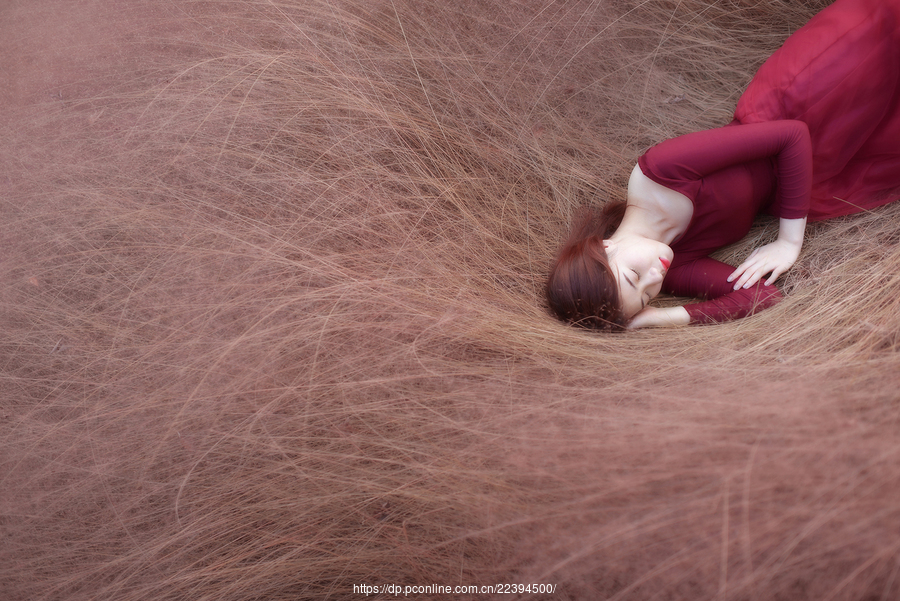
{"x":581,"y":287}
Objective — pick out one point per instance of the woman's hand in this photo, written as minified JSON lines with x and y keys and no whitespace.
{"x":775,"y":258}
{"x":656,"y":317}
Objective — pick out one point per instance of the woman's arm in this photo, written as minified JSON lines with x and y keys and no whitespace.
{"x":682,"y":163}
{"x":708,"y":279}
{"x":660,"y":317}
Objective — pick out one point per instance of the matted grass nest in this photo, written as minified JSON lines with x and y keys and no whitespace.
{"x":273,"y":321}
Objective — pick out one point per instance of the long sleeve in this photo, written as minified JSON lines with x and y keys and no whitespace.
{"x":682,"y":163}
{"x":730,"y":174}
{"x":707,"y":279}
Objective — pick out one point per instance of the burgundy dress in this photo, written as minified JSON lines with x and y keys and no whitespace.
{"x":816,"y":134}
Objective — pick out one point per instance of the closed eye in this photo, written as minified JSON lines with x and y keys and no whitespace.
{"x":643,"y":304}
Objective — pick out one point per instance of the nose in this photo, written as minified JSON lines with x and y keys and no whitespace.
{"x":654,"y":276}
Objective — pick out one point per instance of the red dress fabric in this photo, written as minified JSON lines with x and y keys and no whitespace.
{"x":817,"y":134}
{"x":840,"y":74}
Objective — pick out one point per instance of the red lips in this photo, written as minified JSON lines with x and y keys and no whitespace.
{"x":665,"y":263}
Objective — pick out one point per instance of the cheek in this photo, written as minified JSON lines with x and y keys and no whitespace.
{"x":631,"y":303}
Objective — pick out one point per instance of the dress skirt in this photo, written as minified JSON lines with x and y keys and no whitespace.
{"x":840,"y":74}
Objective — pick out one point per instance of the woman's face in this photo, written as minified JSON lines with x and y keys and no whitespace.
{"x":639,"y":265}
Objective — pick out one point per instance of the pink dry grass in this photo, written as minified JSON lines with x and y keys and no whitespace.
{"x":273,"y":322}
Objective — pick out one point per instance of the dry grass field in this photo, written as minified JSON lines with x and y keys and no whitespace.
{"x":272,"y":319}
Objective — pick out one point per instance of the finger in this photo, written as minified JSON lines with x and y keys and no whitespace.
{"x":743,"y":267}
{"x":753,"y":264}
{"x":748,"y":280}
{"x":751,"y":273}
{"x":752,"y":277}
{"x":747,"y":264}
{"x":775,"y":275}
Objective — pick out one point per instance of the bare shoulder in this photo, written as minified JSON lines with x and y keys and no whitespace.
{"x":646,"y":193}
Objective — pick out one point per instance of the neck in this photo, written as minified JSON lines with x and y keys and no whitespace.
{"x":655,"y":211}
{"x":643,"y":222}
